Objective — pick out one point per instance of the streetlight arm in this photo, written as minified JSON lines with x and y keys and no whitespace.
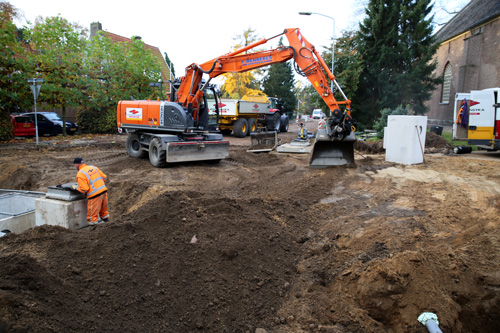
{"x":310,"y":13}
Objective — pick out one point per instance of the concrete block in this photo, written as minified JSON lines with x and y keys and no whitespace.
{"x":18,"y":223}
{"x":17,"y":210}
{"x":68,"y":214}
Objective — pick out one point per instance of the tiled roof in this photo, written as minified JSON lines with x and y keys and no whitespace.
{"x":476,"y":13}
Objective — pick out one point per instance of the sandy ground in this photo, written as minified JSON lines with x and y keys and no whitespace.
{"x":280,"y":247}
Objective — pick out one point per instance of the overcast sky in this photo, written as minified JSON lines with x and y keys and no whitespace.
{"x":196,"y":31}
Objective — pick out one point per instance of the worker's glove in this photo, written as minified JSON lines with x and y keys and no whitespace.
{"x":74,"y":187}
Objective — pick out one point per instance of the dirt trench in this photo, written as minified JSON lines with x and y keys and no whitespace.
{"x":257,"y":241}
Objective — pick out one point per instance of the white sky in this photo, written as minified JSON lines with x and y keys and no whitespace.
{"x":196,"y":31}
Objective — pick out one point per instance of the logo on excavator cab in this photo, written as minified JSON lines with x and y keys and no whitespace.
{"x":133,"y":114}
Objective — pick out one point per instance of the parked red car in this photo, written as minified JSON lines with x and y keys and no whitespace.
{"x":23,"y":126}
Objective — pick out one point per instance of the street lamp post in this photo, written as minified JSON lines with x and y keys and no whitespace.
{"x":35,"y":89}
{"x":333,"y":41}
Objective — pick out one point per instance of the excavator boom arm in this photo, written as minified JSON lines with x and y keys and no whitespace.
{"x":309,"y":63}
{"x":246,"y":62}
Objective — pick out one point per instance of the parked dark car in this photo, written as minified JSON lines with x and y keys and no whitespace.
{"x":23,"y":126}
{"x":51,"y":123}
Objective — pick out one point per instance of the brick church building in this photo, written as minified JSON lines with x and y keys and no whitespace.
{"x":468,"y":57}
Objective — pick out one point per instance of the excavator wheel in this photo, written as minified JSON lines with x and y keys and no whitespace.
{"x":133,"y":146}
{"x":157,"y":156}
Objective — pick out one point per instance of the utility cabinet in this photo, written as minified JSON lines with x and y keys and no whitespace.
{"x":404,"y":139}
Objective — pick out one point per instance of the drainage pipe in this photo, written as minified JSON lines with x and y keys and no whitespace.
{"x":430,"y":321}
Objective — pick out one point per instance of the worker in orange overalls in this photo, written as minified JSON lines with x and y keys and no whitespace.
{"x":90,"y":181}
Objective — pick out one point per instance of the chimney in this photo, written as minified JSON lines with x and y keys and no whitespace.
{"x":136,"y":38}
{"x":94,"y":28}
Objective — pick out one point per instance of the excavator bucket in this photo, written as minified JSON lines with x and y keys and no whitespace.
{"x":263,"y":142}
{"x":329,"y":153}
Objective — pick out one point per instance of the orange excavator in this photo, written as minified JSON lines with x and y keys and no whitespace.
{"x":182,"y":129}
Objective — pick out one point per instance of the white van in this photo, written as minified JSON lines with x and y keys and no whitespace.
{"x":317,"y":114}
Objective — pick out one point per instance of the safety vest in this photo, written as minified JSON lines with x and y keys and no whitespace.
{"x":94,"y":179}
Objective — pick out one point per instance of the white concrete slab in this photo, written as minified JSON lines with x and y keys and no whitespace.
{"x":289,"y":148}
{"x":68,"y":214}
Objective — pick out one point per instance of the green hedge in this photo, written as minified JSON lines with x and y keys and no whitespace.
{"x":6,"y":129}
{"x":97,"y":121}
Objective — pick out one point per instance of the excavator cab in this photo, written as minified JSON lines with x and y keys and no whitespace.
{"x":209,"y":115}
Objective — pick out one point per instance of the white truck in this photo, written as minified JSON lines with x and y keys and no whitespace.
{"x":250,"y":114}
{"x":477,"y":118}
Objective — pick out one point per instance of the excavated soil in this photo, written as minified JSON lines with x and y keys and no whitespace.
{"x":258,"y":242}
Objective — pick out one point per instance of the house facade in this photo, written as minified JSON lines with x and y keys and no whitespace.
{"x":468,"y":57}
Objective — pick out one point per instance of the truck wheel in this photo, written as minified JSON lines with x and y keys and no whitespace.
{"x":133,"y":146}
{"x":157,"y":156}
{"x":252,"y":125}
{"x":284,"y":123}
{"x":240,"y":128}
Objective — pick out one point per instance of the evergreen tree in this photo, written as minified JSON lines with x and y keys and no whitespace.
{"x":418,"y":48}
{"x":347,"y":71}
{"x":348,"y":64}
{"x":279,"y":81}
{"x":378,"y":40}
{"x":170,"y":64}
{"x":396,"y":43}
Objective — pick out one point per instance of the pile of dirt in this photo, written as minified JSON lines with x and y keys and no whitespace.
{"x":433,"y":140}
{"x":376,"y":147}
{"x":258,"y":241}
{"x":434,"y":143}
